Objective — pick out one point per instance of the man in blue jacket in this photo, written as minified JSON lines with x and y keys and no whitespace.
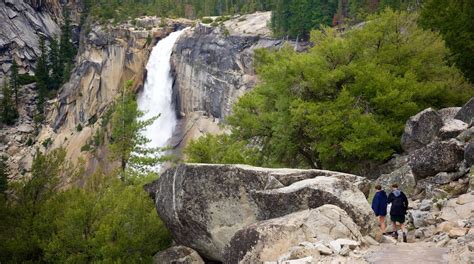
{"x":379,"y":205}
{"x":398,"y":210}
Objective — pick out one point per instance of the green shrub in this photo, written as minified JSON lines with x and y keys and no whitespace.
{"x":46,"y":142}
{"x":79,"y":127}
{"x":207,"y":20}
{"x":343,"y":104}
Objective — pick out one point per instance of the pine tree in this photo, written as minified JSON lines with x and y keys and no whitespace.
{"x":8,"y":109}
{"x":66,"y":48}
{"x":42,"y":80}
{"x":14,"y":81}
{"x":3,"y":176}
{"x":127,"y":141}
{"x":55,"y":65}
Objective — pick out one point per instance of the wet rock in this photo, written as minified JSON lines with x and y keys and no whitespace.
{"x":466,"y":114}
{"x":178,"y":255}
{"x":421,"y":129}
{"x":266,"y":240}
{"x":436,"y":157}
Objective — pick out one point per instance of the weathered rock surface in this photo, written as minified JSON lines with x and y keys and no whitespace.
{"x":268,"y":240}
{"x":23,"y":22}
{"x":436,"y":157}
{"x":469,"y":154}
{"x":466,"y":114}
{"x":403,"y":176}
{"x":421,"y":129}
{"x":212,"y":69}
{"x":178,"y":255}
{"x":205,"y":205}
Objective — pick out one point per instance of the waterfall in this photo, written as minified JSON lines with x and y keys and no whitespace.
{"x":156,"y":97}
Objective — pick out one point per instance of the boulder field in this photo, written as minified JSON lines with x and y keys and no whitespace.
{"x":229,"y":213}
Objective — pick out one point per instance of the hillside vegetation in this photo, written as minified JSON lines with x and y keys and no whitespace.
{"x":343,"y":104}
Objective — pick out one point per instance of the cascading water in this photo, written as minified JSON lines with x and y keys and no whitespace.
{"x":156,"y":97}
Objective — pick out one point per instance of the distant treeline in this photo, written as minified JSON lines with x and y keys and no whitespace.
{"x":291,"y":17}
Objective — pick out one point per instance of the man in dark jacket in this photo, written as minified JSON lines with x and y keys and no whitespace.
{"x":379,"y":205}
{"x":398,"y":210}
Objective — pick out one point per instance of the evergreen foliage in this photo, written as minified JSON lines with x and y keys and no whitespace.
{"x":127,"y":141}
{"x":106,"y":221}
{"x":55,"y":65}
{"x":120,"y":10}
{"x":8,"y":110}
{"x":15,"y":81}
{"x":454,"y":20}
{"x":343,"y":104}
{"x":4,"y":173}
{"x":42,"y":79}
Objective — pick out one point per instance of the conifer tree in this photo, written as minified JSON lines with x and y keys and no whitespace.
{"x":14,"y":81}
{"x":3,"y":176}
{"x":7,"y":107}
{"x":55,"y":65}
{"x":66,"y":47}
{"x":42,"y":79}
{"x":127,"y":141}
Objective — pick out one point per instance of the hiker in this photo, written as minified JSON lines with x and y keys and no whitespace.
{"x":398,"y":210}
{"x":379,"y":205}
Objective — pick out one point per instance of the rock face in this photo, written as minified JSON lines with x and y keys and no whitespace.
{"x":437,"y":160}
{"x":466,"y":114}
{"x":22,"y":25}
{"x":421,"y":129}
{"x":205,"y":205}
{"x":270,"y":239}
{"x":213,"y":69}
{"x":436,"y":157}
{"x":178,"y":255}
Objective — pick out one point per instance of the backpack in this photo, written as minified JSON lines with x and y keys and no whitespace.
{"x":397,"y":204}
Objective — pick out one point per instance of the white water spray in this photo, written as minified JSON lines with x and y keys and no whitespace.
{"x":156,"y":97}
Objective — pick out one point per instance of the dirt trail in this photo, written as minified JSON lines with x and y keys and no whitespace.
{"x":406,"y":253}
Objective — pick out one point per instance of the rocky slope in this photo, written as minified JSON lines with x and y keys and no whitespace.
{"x":109,"y":56}
{"x":212,"y":69}
{"x":22,"y":24}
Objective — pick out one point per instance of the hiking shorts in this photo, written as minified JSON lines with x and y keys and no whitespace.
{"x":397,"y":218}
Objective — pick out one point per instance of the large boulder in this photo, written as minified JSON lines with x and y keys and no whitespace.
{"x":403,"y":176}
{"x":268,"y":240}
{"x":448,"y":114}
{"x":312,"y":193}
{"x":452,"y":129}
{"x":466,"y":114}
{"x":178,"y":255}
{"x":204,"y":205}
{"x":439,"y":156}
{"x":469,"y":154}
{"x":421,"y":129}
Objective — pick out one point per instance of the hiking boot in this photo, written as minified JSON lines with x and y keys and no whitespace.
{"x":395,"y":234}
{"x":405,"y":238}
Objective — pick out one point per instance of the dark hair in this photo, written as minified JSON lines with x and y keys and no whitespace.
{"x":378,"y":187}
{"x":394,"y":185}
